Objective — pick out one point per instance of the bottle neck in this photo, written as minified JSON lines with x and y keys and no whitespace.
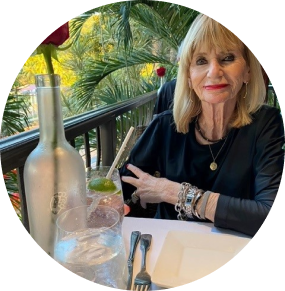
{"x":50,"y":114}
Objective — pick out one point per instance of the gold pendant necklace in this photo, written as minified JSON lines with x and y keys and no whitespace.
{"x":213,"y":165}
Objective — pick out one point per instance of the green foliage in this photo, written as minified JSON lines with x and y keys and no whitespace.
{"x":15,"y":118}
{"x":111,"y":46}
{"x":131,"y":35}
{"x":84,"y":89}
{"x":12,"y":189}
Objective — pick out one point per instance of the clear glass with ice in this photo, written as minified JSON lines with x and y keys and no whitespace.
{"x":90,"y":244}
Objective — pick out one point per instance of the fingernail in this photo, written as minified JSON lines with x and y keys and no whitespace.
{"x":127,"y":165}
{"x":127,"y":209}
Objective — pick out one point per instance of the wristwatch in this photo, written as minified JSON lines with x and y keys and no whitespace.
{"x":188,"y":201}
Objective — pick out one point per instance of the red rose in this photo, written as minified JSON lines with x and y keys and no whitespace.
{"x":160,"y":71}
{"x":49,"y":46}
{"x":59,"y":36}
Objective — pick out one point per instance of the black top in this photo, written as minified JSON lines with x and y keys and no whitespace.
{"x":165,"y":97}
{"x":249,"y":166}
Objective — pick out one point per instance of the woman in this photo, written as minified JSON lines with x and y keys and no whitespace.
{"x":220,"y":154}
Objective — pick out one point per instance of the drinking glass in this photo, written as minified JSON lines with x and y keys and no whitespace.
{"x":90,"y":244}
{"x":114,"y":198}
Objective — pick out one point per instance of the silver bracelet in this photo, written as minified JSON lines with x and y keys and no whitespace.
{"x":180,"y":206}
{"x":187,"y":196}
{"x":190,"y":196}
{"x":135,"y":198}
{"x":200,"y":194}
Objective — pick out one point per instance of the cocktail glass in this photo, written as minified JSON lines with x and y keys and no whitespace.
{"x":108,"y":198}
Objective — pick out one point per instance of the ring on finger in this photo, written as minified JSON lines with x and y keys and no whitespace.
{"x":135,"y":197}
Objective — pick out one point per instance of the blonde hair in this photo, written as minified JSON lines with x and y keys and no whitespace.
{"x":187,"y":105}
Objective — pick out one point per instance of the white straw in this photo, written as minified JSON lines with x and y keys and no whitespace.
{"x":122,"y":148}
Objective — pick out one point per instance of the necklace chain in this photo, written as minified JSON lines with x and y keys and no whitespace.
{"x":197,"y":126}
{"x":213,"y":165}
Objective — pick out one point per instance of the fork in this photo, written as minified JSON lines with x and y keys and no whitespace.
{"x":143,"y":280}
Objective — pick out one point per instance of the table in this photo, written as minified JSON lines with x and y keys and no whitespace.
{"x":159,"y":228}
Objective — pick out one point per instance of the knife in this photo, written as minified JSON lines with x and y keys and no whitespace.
{"x":135,"y":237}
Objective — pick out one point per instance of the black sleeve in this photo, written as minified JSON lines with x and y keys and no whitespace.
{"x":165,"y":97}
{"x":247,"y":215}
{"x":144,"y":155}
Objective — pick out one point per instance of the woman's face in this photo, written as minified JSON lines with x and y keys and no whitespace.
{"x":216,"y":76}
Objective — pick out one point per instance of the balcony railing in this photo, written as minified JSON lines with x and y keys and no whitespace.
{"x":107,"y":125}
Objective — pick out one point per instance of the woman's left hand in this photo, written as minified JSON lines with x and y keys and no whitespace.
{"x":151,"y":189}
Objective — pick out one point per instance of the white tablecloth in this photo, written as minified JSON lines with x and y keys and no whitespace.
{"x":159,"y":228}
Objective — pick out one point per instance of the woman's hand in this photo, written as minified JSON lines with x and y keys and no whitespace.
{"x":151,"y":189}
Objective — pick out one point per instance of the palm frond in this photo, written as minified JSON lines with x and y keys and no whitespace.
{"x":15,"y":116}
{"x":165,"y":20}
{"x":77,"y":23}
{"x":98,"y":70}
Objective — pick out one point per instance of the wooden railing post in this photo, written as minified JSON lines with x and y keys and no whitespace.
{"x":108,"y":134}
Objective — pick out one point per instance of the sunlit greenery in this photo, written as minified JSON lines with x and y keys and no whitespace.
{"x":114,"y":52}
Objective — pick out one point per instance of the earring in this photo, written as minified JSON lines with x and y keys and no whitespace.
{"x":245,"y":90}
{"x":190,"y":95}
{"x":189,"y":83}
